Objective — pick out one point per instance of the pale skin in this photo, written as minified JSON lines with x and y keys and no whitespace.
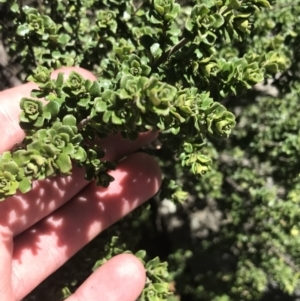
{"x":41,"y":230}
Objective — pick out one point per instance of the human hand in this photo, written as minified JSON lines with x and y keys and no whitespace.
{"x":42,"y":229}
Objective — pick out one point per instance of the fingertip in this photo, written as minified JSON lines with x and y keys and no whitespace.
{"x":144,"y":162}
{"x":121,"y":278}
{"x":137,"y":178}
{"x":113,"y":153}
{"x":130,"y":269}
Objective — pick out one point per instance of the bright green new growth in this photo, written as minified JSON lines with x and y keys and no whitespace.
{"x":141,"y":87}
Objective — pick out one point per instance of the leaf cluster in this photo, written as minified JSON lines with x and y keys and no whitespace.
{"x":78,"y":110}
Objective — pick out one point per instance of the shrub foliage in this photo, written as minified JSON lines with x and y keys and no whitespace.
{"x":190,"y":70}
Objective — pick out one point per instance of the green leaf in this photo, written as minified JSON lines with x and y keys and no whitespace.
{"x":115,"y":119}
{"x":161,"y":287}
{"x":69,"y":120}
{"x":218,"y":21}
{"x":107,"y":116}
{"x":141,"y":254}
{"x":11,"y":167}
{"x":84,"y":102}
{"x":25,"y":185}
{"x":53,"y":108}
{"x":39,"y":121}
{"x":23,"y":30}
{"x":80,"y":155}
{"x":234,"y":4}
{"x":160,"y":10}
{"x":59,"y":80}
{"x":63,"y":39}
{"x":153,"y":263}
{"x":95,"y":89}
{"x":100,"y":105}
{"x":14,"y":7}
{"x":56,"y":54}
{"x":64,"y":163}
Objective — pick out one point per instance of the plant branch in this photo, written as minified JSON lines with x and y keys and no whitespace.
{"x":165,"y":56}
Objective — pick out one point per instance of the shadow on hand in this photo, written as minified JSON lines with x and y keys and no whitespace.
{"x":76,"y":223}
{"x":21,"y":211}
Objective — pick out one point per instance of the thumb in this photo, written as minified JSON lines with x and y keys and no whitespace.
{"x":121,"y":278}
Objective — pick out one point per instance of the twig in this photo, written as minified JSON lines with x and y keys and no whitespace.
{"x":165,"y":56}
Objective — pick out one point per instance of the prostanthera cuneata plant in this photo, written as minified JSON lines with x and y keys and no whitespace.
{"x":155,"y":77}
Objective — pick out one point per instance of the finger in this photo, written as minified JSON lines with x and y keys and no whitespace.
{"x":42,"y":249}
{"x":6,"y":249}
{"x":121,"y":278}
{"x":12,"y":134}
{"x":10,"y":109}
{"x":21,"y":211}
{"x":14,"y":211}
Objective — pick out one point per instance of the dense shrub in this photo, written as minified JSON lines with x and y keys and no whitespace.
{"x":227,"y":218}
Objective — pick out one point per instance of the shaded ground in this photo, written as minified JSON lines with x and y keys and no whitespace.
{"x":8,"y":72}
